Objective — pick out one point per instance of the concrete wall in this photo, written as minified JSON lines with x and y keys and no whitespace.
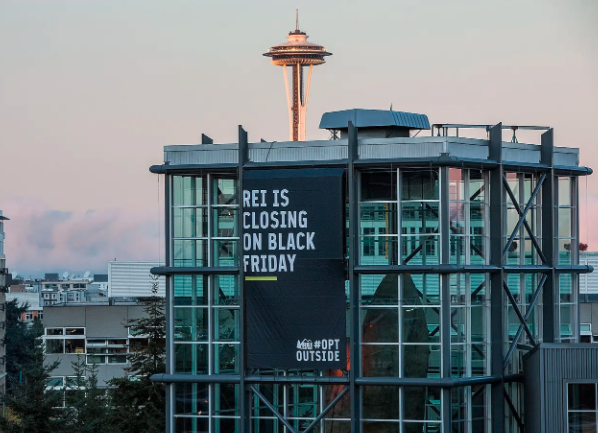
{"x":100,"y":321}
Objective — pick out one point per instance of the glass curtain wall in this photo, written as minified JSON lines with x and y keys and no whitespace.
{"x":401,"y":331}
{"x":205,"y":308}
{"x":400,"y":224}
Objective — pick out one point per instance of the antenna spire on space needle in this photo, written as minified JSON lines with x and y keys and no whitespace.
{"x":297,"y":53}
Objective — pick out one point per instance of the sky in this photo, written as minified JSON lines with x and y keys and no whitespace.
{"x":91,"y":91}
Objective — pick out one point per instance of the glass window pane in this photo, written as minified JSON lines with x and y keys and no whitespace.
{"x":75,"y":331}
{"x":225,"y":253}
{"x":380,"y":360}
{"x":73,"y":345}
{"x":566,"y":288}
{"x":419,"y":184}
{"x":225,"y":400}
{"x":226,"y":290}
{"x":566,"y":320}
{"x":189,"y":290}
{"x":191,"y":358}
{"x":191,"y":324}
{"x":56,"y":381}
{"x":564,"y":191}
{"x":192,"y":399}
{"x":380,"y":325}
{"x":421,"y":325}
{"x":381,"y":402}
{"x":226,"y":324}
{"x":420,"y":250}
{"x":378,"y":185}
{"x":379,"y":289}
{"x":225,"y":191}
{"x":584,"y":422}
{"x":456,"y":184}
{"x":54,"y":331}
{"x":190,"y":222}
{"x":188,"y":191}
{"x":476,"y":185}
{"x":186,"y":425}
{"x":225,"y":222}
{"x":420,"y":289}
{"x":190,"y":253}
{"x":565,"y":251}
{"x":226,"y":358}
{"x":565,"y":223}
{"x":55,"y":346}
{"x":381,"y":218}
{"x":421,"y":403}
{"x":419,"y":218}
{"x":582,"y":396}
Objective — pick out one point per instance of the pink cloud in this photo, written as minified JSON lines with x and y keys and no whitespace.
{"x":40,"y":238}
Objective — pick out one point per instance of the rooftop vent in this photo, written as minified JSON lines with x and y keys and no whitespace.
{"x":374,"y":123}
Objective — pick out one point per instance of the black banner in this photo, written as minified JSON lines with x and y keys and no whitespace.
{"x":293,"y":242}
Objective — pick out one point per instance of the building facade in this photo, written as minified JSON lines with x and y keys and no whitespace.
{"x":97,"y":334}
{"x":466,"y":258}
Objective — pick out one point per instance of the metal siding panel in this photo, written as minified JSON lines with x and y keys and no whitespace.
{"x":133,"y":279}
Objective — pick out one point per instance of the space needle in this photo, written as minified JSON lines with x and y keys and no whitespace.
{"x":297,"y":52}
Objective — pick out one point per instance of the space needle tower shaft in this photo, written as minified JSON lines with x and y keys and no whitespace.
{"x":297,"y":53}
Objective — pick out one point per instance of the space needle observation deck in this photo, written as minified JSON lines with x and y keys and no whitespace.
{"x":297,"y":53}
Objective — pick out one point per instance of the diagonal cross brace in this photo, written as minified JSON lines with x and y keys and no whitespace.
{"x":514,"y":411}
{"x":528,"y":313}
{"x":518,"y":312}
{"x":522,"y":216}
{"x":314,"y":423}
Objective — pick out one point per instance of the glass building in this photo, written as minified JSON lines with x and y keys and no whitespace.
{"x":466,"y":258}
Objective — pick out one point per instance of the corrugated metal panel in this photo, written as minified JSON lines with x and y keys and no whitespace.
{"x":468,"y":147}
{"x":558,"y":364}
{"x":201,"y":154}
{"x":377,"y":148}
{"x":323,"y":150}
{"x":133,"y":279}
{"x":369,"y":148}
{"x":521,"y":152}
{"x":566,"y":156}
{"x":372,"y":118}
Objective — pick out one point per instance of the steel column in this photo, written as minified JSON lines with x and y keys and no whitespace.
{"x":354,"y":329}
{"x":169,"y":391}
{"x":445,"y":310}
{"x":496,"y":280}
{"x":244,"y":392}
{"x":550,"y":320}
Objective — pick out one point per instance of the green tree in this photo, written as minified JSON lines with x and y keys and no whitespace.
{"x":138,"y":404}
{"x":87,"y":407}
{"x":19,"y":340}
{"x":31,"y":406}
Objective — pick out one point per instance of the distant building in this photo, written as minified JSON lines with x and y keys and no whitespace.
{"x":95,"y":332}
{"x":34,"y":308}
{"x":132,"y":279}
